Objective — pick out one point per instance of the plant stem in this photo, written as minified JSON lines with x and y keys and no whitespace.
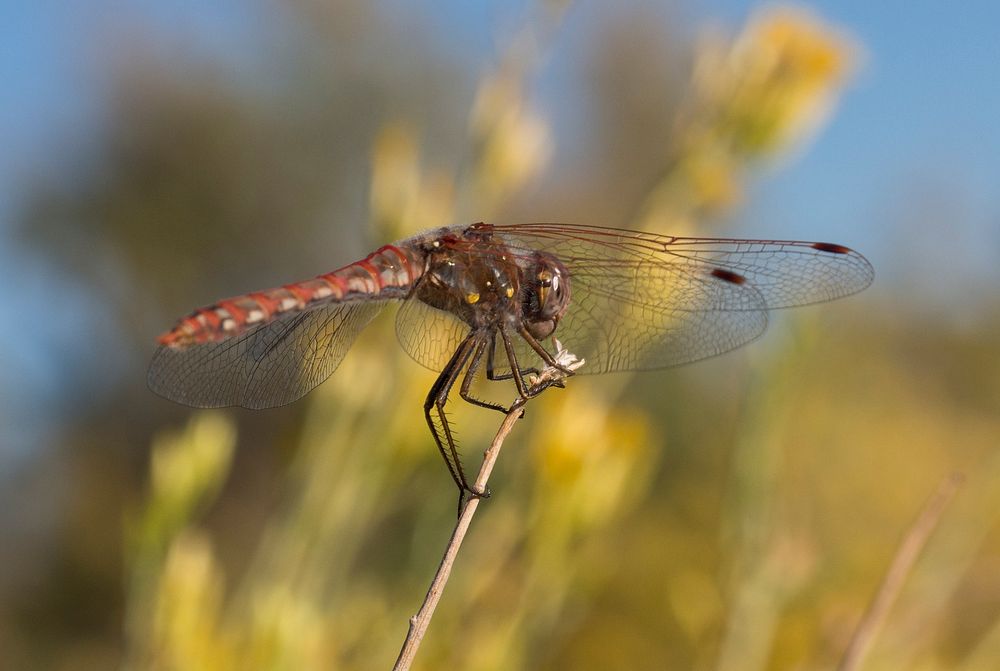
{"x":420,"y":621}
{"x":909,"y":549}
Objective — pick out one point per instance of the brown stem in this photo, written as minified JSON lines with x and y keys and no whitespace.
{"x":420,"y":621}
{"x":902,"y":563}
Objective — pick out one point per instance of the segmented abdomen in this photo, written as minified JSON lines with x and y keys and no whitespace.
{"x":388,"y":272}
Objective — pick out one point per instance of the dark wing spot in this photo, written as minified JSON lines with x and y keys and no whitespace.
{"x":830,"y":247}
{"x":728,"y":276}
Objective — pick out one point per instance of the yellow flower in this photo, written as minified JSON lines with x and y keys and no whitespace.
{"x":589,"y":453}
{"x":712,"y":177}
{"x":404,"y":198}
{"x":514,"y":141}
{"x":775,"y":83}
{"x":188,"y":466}
{"x":185,"y":624}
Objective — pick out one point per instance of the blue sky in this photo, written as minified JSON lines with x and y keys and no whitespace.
{"x":922,"y":115}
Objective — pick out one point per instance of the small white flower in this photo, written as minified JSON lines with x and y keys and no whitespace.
{"x":564,"y":358}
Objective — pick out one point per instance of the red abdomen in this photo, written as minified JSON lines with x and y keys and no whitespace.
{"x":388,"y":272}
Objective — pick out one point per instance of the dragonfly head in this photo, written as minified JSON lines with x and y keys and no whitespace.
{"x":546,"y":295}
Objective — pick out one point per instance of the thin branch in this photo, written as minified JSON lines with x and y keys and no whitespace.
{"x":420,"y":621}
{"x":913,"y":543}
{"x":551,"y":375}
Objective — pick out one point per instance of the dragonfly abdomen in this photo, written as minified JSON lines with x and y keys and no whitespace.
{"x":388,"y":272}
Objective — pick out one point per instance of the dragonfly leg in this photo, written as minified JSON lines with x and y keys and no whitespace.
{"x":546,"y":357}
{"x":526,"y":392}
{"x":441,"y":429}
{"x":470,"y":374}
{"x":490,"y":372}
{"x":542,"y":352}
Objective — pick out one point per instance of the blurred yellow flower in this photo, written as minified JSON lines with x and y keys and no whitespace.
{"x":589,"y":453}
{"x":287,"y":630}
{"x":403,"y":197}
{"x":695,"y":601}
{"x":189,"y":464}
{"x":800,"y":42}
{"x":395,"y":177}
{"x":775,"y":83}
{"x":711,"y":176}
{"x":756,"y":95}
{"x":185,"y":617}
{"x":514,"y":141}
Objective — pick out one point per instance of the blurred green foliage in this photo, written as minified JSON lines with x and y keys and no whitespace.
{"x":734,"y":515}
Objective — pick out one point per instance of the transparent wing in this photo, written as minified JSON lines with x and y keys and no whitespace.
{"x":642,"y":301}
{"x":271,"y":365}
{"x":430,"y":336}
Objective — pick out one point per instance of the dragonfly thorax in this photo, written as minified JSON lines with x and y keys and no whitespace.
{"x":479,"y":284}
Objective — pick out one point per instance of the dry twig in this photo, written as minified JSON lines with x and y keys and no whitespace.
{"x":420,"y":621}
{"x":913,"y":543}
{"x":567,"y":363}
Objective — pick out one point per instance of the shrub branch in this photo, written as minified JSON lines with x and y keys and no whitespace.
{"x":420,"y":621}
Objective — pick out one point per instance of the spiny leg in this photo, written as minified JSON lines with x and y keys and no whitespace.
{"x":436,"y":399}
{"x":470,"y":374}
{"x":542,"y":352}
{"x":536,"y":389}
{"x":546,"y":356}
{"x":522,"y":388}
{"x":491,"y":374}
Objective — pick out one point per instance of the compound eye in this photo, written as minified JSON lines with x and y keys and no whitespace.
{"x":544,"y":285}
{"x":556,"y":287}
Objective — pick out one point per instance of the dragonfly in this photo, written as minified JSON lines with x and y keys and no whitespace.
{"x":516,"y":300}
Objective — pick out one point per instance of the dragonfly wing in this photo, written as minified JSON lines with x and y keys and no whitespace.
{"x":660,"y":319}
{"x":430,"y":336}
{"x":642,"y":301}
{"x":270,"y":365}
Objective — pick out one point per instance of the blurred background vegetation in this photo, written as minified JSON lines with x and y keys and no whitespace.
{"x":735,"y":514}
